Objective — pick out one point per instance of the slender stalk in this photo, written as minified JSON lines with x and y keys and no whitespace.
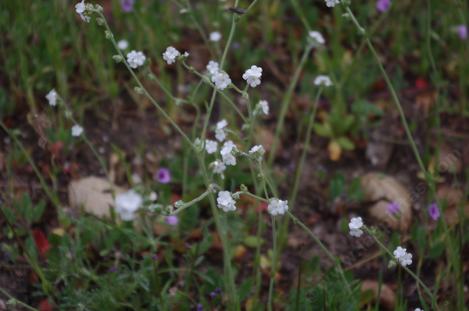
{"x":16,"y":301}
{"x":286,"y":103}
{"x":273,"y":271}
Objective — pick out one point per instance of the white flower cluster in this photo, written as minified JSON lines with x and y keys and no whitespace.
{"x":253,"y":76}
{"x":332,"y":3}
{"x":80,"y":8}
{"x":355,"y":226}
{"x":220,"y":133}
{"x":211,"y":146}
{"x":317,"y":38}
{"x":215,"y":36}
{"x":228,"y":152}
{"x":257,"y":152}
{"x":277,"y":207}
{"x":135,"y":59}
{"x":322,"y":80}
{"x":52,"y":97}
{"x":225,"y":201}
{"x":213,"y":67}
{"x":170,"y":55}
{"x":221,"y":79}
{"x":402,"y":256}
{"x":127,"y":204}
{"x":77,"y":130}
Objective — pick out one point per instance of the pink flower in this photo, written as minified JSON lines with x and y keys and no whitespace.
{"x":434,"y":211}
{"x":172,"y":220}
{"x":462,"y":31}
{"x":163,"y":175}
{"x":383,"y":5}
{"x":394,"y":208}
{"x":127,"y":5}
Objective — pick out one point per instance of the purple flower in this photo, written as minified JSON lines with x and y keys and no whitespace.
{"x":383,"y":5}
{"x":394,"y":208}
{"x":172,"y":220}
{"x":112,"y":269}
{"x":215,"y":293}
{"x":163,"y":175}
{"x":462,"y":31}
{"x":127,"y":5}
{"x":199,"y":307}
{"x":433,"y":211}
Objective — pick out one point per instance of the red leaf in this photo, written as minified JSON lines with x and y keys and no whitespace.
{"x":421,"y":84}
{"x":41,"y":241}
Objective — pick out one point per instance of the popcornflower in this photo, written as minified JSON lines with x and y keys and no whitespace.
{"x":277,"y":207}
{"x":322,"y":80}
{"x":213,"y":67}
{"x":52,"y":97}
{"x":402,"y":256}
{"x":332,"y":3}
{"x":211,"y":146}
{"x":80,"y":8}
{"x":127,"y":204}
{"x":221,"y":80}
{"x":227,"y":153}
{"x":220,"y":133}
{"x":218,"y":167}
{"x":77,"y":130}
{"x":135,"y":59}
{"x":123,"y":44}
{"x":253,"y":76}
{"x":355,"y":225}
{"x":317,"y":37}
{"x":170,"y":55}
{"x":264,"y":107}
{"x":225,"y":201}
{"x":215,"y":36}
{"x":257,"y":151}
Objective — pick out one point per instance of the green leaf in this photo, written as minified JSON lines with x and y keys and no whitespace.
{"x":253,"y":241}
{"x":345,"y":143}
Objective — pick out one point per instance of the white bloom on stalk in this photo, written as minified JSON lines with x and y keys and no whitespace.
{"x":322,"y":80}
{"x":253,"y":76}
{"x":225,"y":201}
{"x":213,"y":67}
{"x":332,"y":3}
{"x":76,"y":130}
{"x":211,"y":146}
{"x":227,"y":153}
{"x":221,"y":79}
{"x":355,"y":225}
{"x":257,"y":151}
{"x":80,"y":8}
{"x":127,"y":204}
{"x":402,"y":256}
{"x":418,"y":309}
{"x":317,"y":37}
{"x":220,"y":133}
{"x":170,"y":55}
{"x":122,"y":44}
{"x":135,"y":59}
{"x":277,"y":207}
{"x":215,"y":36}
{"x":52,"y":97}
{"x":264,"y":107}
{"x":218,"y":167}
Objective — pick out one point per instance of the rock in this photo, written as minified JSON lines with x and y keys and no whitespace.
{"x":383,"y":190}
{"x":93,"y":195}
{"x":387,"y":297}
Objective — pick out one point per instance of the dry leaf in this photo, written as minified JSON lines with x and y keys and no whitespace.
{"x":387,"y":298}
{"x":335,"y":151}
{"x":452,"y":197}
{"x":93,"y":194}
{"x":448,"y":162}
{"x":383,"y":190}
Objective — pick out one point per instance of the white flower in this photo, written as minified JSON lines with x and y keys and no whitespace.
{"x":253,"y":76}
{"x":402,"y":256}
{"x":257,"y":151}
{"x":80,"y":8}
{"x":213,"y":67}
{"x":218,"y":167}
{"x":220,"y":133}
{"x":135,"y":59}
{"x":170,"y":55}
{"x":332,"y":3}
{"x":211,"y":146}
{"x":264,"y":107}
{"x":317,"y":37}
{"x":277,"y":207}
{"x":127,"y":204}
{"x":418,"y":309}
{"x":227,"y":153}
{"x":355,"y":226}
{"x":221,"y":79}
{"x":52,"y":97}
{"x":186,"y":54}
{"x":322,"y":80}
{"x":225,"y":201}
{"x":215,"y":36}
{"x":76,"y":130}
{"x":153,"y":196}
{"x":122,"y":44}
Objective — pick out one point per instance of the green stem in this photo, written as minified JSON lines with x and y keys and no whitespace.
{"x":286,"y":103}
{"x":274,"y":264}
{"x":16,"y":301}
